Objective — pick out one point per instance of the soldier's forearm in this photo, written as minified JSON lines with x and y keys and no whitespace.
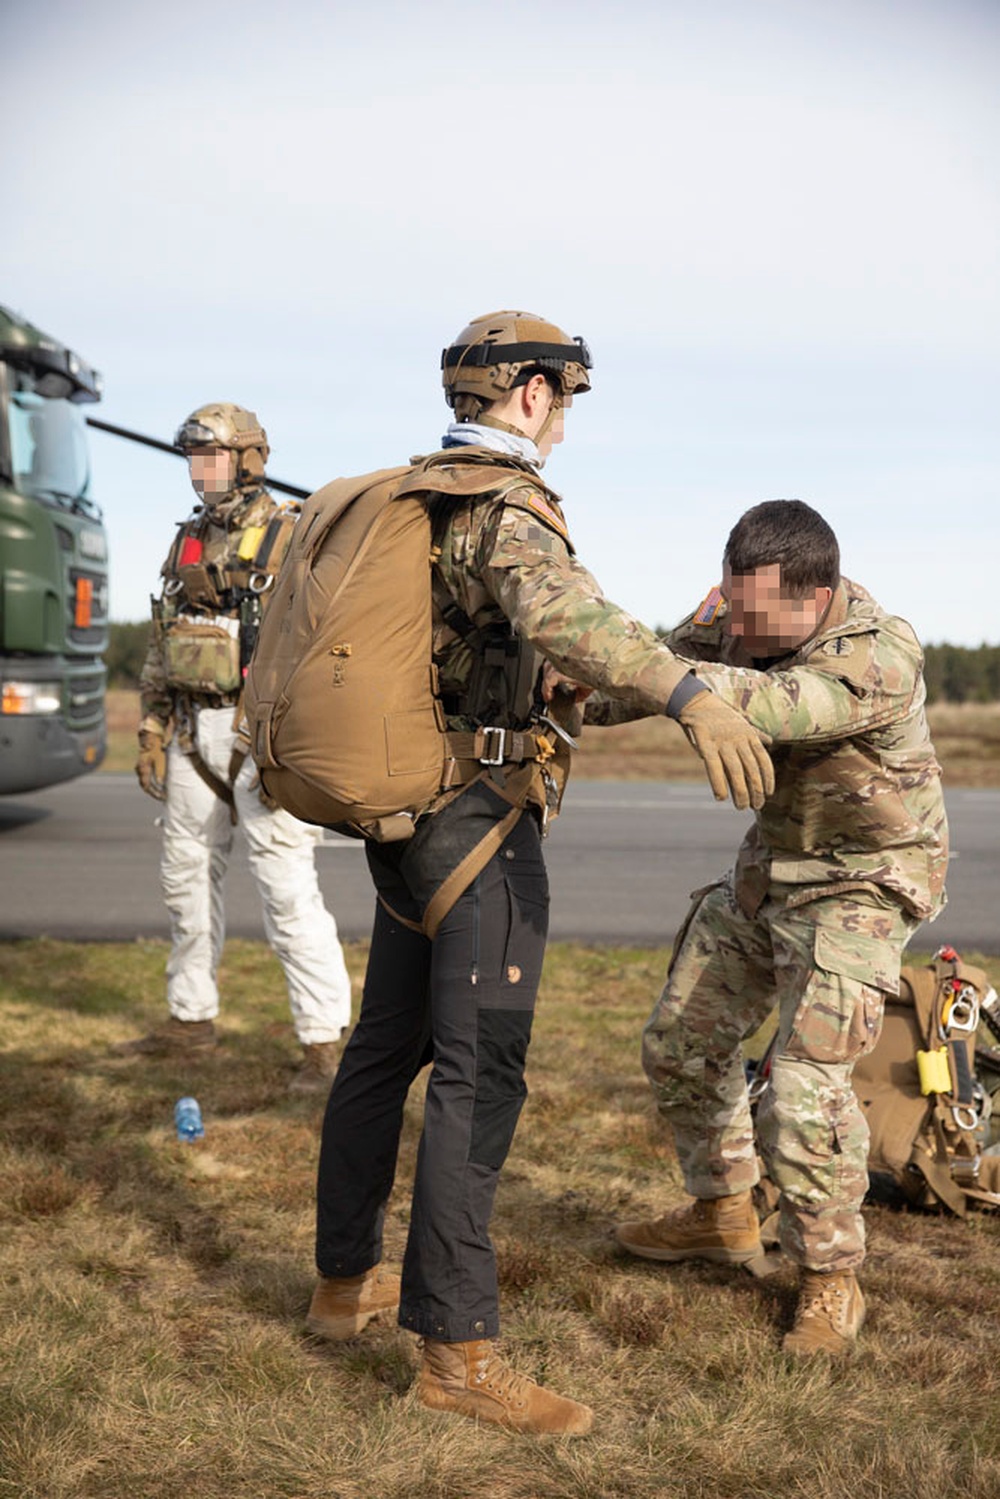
{"x":591,"y":639}
{"x":800,"y":705}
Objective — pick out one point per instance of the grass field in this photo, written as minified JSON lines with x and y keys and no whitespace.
{"x":152,"y":1293}
{"x":966,"y":736}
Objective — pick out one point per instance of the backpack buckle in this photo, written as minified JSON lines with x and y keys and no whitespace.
{"x":492,"y":749}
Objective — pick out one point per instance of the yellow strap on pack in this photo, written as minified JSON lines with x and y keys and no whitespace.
{"x":934,"y":1071}
{"x":249,"y":542}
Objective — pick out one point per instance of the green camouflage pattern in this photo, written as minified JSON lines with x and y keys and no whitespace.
{"x":828,"y":966}
{"x":509,"y":557}
{"x":858,"y":789}
{"x":194,"y":643}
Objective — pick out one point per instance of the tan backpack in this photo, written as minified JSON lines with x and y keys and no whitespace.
{"x":341,"y":700}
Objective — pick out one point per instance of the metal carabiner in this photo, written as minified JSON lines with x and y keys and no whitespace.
{"x":259,"y":583}
{"x":172,"y":586}
{"x":557,"y":729}
{"x":960,"y":1014}
{"x":962,"y":1113}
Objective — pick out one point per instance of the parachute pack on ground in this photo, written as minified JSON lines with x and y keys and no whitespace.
{"x":928,"y":1091}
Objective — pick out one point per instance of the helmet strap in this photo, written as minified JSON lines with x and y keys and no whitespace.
{"x":492,"y":421}
{"x":554,"y":409}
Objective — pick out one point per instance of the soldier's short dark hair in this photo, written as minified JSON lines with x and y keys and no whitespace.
{"x":791,"y":533}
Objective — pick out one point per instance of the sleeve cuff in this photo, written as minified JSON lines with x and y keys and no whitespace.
{"x":687,"y":688}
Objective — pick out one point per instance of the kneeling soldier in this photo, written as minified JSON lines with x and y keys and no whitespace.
{"x":842,"y":864}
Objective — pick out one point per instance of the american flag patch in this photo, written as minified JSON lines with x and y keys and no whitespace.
{"x":708,"y":610}
{"x":537,"y":503}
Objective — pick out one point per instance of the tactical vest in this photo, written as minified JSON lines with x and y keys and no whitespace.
{"x":347,"y":724}
{"x":215,"y":581}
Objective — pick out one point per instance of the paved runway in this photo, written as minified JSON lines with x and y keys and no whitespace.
{"x":80,"y":861}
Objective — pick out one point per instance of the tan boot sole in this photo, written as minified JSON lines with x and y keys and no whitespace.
{"x":717,"y":1256}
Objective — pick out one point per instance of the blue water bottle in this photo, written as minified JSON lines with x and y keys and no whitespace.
{"x":187,"y":1118}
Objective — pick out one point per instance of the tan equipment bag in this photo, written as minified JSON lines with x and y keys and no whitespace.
{"x":928,"y":1092}
{"x":927,"y":1110}
{"x":341,"y":694}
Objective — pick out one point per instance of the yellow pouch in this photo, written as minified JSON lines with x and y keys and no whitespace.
{"x":935,"y":1073}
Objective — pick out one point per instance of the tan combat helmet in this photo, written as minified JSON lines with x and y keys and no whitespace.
{"x":502,"y":350}
{"x":223,"y":425}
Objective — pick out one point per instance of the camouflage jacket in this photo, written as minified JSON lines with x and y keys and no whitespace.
{"x":206,"y":601}
{"x":506,"y":559}
{"x":858,"y":796}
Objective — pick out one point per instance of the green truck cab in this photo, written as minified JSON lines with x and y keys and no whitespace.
{"x":53,"y":565}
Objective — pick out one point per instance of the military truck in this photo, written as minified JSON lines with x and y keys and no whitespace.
{"x":53,"y":565}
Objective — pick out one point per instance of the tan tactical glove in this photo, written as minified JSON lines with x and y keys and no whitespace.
{"x":151,"y":766}
{"x":736,"y":761}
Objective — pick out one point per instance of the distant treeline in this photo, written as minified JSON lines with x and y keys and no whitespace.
{"x":955,"y":673}
{"x":962,"y":674}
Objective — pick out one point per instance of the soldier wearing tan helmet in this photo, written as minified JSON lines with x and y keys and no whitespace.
{"x":215,"y":580}
{"x":458,"y":987}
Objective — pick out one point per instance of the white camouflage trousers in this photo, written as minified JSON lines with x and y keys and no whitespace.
{"x":197,"y":842}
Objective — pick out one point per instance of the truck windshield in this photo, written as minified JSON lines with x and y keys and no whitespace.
{"x":48,"y":443}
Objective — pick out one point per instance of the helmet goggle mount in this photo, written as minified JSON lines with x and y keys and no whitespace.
{"x":534,"y":357}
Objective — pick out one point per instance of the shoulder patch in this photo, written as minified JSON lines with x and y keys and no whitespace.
{"x":532,"y":499}
{"x":841,"y":645}
{"x":710,"y":607}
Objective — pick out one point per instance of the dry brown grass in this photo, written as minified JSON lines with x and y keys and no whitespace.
{"x":967,"y":737}
{"x":153,"y":1293}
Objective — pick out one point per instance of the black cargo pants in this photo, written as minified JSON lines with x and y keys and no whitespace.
{"x":465,"y":1003}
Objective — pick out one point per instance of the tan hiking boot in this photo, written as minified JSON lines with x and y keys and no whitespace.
{"x":175,"y":1038}
{"x":828,"y":1317}
{"x":472,"y":1379}
{"x":317,"y":1068}
{"x":721,"y":1229}
{"x":342,"y":1306}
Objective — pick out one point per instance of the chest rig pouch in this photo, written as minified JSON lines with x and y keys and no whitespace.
{"x":196,"y":619}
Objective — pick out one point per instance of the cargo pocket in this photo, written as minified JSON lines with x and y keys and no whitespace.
{"x":527,"y":889}
{"x":840,"y":1015}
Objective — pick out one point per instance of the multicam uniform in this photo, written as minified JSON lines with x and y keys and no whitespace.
{"x":191,"y":679}
{"x":842,"y":864}
{"x":467,"y":998}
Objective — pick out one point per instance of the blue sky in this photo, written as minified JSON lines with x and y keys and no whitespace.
{"x":775,"y":221}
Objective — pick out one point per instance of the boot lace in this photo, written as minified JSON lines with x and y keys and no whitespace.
{"x":827,"y":1301}
{"x":492,"y":1374}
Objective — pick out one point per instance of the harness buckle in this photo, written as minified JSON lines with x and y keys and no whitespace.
{"x":493,"y":751}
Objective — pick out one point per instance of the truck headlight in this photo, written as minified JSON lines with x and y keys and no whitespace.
{"x":31,"y":697}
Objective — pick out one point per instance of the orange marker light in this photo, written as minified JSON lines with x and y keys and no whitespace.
{"x":84,"y":603}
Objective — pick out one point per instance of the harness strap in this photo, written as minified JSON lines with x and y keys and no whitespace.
{"x":222,"y":789}
{"x":463,"y":874}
